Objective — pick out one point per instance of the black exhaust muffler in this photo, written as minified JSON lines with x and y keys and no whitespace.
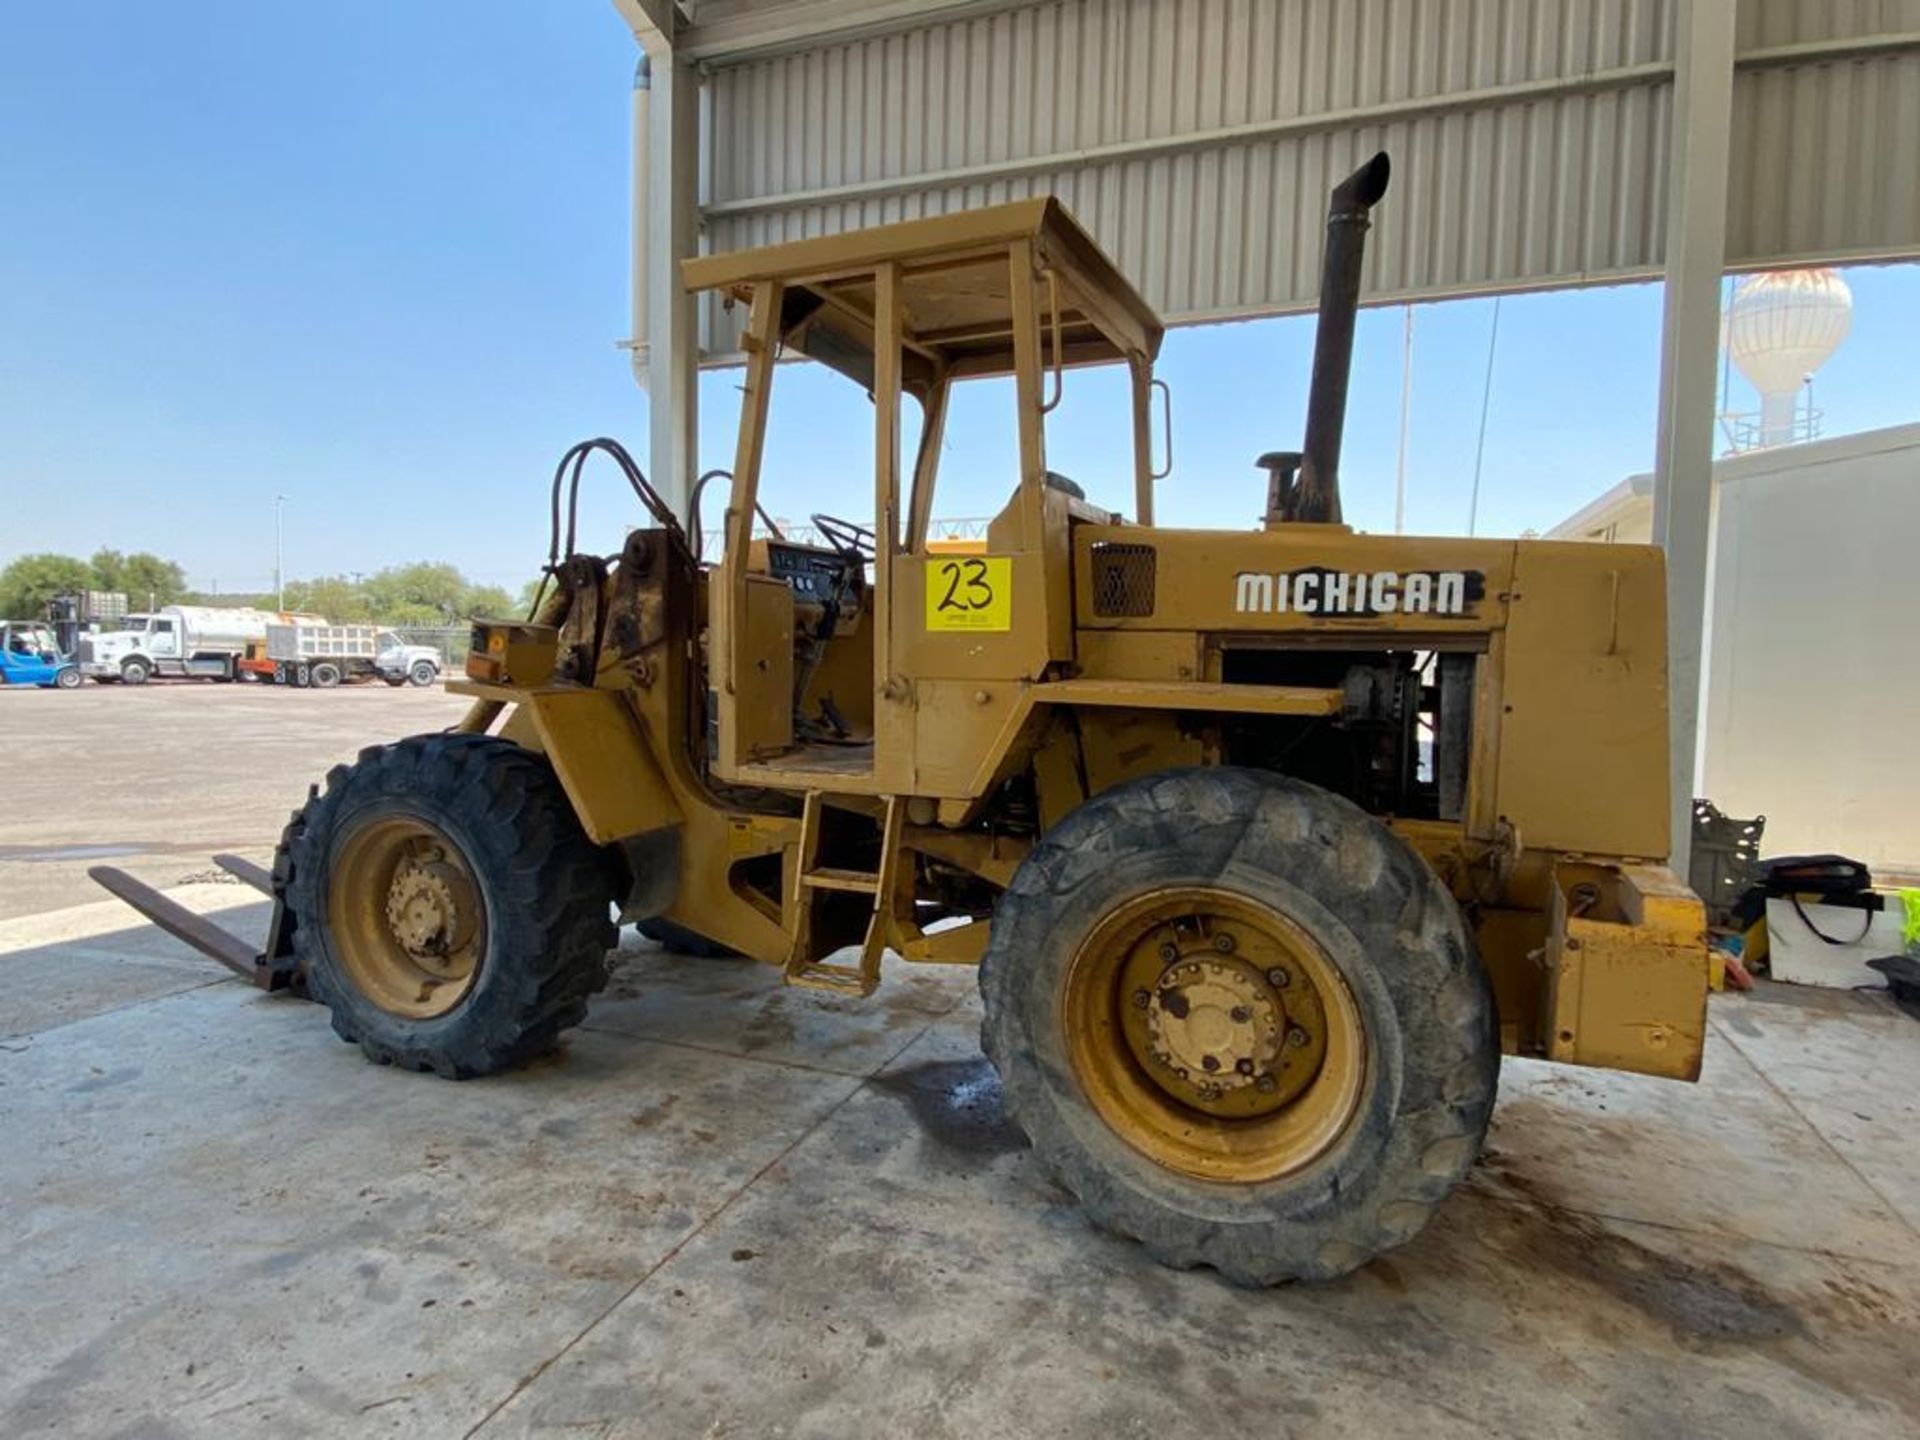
{"x":1314,"y":495}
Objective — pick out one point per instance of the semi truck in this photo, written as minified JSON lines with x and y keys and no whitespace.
{"x":314,"y":653}
{"x":177,"y":640}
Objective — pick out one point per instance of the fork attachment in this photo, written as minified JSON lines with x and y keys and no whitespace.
{"x":271,"y":969}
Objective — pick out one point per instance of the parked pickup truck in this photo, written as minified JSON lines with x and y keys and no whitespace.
{"x":202,"y":640}
{"x":29,"y":655}
{"x":323,"y":655}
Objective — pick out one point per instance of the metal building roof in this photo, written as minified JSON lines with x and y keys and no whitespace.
{"x":1197,"y":140}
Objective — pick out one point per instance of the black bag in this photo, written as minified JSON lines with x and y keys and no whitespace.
{"x":1815,"y":875}
{"x":1833,"y":879}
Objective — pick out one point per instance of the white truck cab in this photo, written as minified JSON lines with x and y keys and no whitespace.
{"x":400,"y":663}
{"x":203,"y":640}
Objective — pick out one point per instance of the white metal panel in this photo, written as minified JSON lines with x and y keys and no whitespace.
{"x":1809,"y":694}
{"x":1198,"y":138}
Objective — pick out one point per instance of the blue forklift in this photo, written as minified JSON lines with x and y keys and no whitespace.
{"x":29,"y":655}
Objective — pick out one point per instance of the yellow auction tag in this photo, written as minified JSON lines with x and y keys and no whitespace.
{"x":970,"y":592}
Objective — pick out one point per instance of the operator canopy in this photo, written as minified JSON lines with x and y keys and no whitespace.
{"x":957,"y":302}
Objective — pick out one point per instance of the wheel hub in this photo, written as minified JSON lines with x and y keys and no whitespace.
{"x":1214,"y":1033}
{"x":405,"y":915}
{"x":424,"y":910}
{"x":1216,"y":1024}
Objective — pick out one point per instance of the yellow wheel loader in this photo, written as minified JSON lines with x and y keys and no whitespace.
{"x":1267,"y":844}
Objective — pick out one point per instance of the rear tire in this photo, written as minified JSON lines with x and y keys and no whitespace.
{"x":1392,"y":948}
{"x":544,"y":926}
{"x":325,"y":675}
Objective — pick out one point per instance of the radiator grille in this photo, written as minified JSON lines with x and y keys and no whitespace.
{"x":1123,"y":578}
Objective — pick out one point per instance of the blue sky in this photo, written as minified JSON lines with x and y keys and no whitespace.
{"x":373,"y":256}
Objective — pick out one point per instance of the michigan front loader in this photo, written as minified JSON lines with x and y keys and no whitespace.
{"x":1267,"y":844}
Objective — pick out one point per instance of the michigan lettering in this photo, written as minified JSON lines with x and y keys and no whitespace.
{"x":1333,"y":592}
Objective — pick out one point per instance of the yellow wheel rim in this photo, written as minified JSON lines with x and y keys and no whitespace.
{"x":1214,"y":1035}
{"x":408,"y":923}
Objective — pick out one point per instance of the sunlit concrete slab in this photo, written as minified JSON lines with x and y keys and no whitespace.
{"x":87,"y":959}
{"x":908,"y":1270}
{"x":1863,"y":1096}
{"x":735,"y":1006}
{"x":222,"y":1220}
{"x":1730,"y":1154}
{"x":727,"y":1208}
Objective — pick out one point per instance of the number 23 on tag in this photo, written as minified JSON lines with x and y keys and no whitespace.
{"x":970,"y":592}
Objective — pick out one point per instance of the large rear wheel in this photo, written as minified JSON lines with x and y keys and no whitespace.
{"x":1243,"y":1021}
{"x":450,"y":912}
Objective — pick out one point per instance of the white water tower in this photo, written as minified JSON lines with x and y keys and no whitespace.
{"x":1780,"y":327}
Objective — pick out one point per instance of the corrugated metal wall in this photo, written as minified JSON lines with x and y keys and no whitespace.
{"x":1823,"y":150}
{"x":1198,"y":138}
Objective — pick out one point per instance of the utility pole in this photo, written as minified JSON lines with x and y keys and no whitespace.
{"x":1486,"y":400}
{"x":279,"y":575}
{"x":1406,"y":400}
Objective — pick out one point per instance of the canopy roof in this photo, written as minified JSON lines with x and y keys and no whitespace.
{"x":955,"y":288}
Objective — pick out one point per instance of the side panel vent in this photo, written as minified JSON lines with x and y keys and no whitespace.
{"x":1123,"y":576}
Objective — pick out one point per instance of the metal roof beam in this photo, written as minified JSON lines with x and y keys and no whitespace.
{"x":723,"y":30}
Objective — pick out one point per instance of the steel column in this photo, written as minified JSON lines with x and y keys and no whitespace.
{"x":666,"y":228}
{"x":1689,"y":352}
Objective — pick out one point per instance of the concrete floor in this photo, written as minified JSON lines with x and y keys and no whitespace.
{"x":155,"y":779}
{"x":728,"y":1209}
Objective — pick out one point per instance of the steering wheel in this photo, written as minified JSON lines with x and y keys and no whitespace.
{"x":854,"y":541}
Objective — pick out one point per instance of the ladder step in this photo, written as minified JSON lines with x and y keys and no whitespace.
{"x":858,"y":881}
{"x":845,"y":979}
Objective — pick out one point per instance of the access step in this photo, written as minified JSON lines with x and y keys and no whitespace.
{"x":857,"y":881}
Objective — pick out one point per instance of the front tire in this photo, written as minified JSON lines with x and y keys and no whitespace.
{"x":423,"y":673}
{"x":450,"y":912}
{"x":67,"y":679}
{"x":1243,"y":1021}
{"x":134,"y":672}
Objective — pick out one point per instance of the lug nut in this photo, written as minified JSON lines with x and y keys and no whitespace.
{"x":1169,"y":952}
{"x":1278,"y":978}
{"x":1296,"y":1037}
{"x":1141,"y":999}
{"x":1266,"y":1084}
{"x":1245,"y":1067}
{"x":1224,"y":943}
{"x":1241,"y":1014}
{"x":1209,"y":1063}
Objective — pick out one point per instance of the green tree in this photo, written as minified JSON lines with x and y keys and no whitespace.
{"x":424,"y":593}
{"x":489,"y":601}
{"x":144,"y":578}
{"x":341,"y":600}
{"x":30,"y":581}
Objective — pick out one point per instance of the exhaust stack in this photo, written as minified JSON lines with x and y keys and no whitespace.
{"x":1315,"y":494}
